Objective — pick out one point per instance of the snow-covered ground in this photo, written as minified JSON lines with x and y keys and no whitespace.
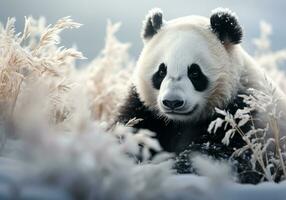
{"x":76,"y":169}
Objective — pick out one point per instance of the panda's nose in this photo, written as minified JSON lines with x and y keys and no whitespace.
{"x":173,"y":104}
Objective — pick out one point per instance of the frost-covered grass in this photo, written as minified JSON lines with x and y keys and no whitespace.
{"x":54,"y":118}
{"x":266,"y":142}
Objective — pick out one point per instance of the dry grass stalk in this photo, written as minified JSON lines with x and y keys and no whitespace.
{"x":24,"y":62}
{"x":109,"y":76}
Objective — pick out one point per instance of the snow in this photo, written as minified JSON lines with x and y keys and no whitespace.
{"x":114,"y":176}
{"x":201,"y":188}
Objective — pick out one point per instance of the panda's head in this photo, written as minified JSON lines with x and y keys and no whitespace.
{"x":189,"y":65}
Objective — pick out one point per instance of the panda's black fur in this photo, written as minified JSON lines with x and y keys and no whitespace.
{"x":225,"y":25}
{"x":152,"y":24}
{"x":174,"y":136}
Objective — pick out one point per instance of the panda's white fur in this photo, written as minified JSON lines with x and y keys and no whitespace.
{"x":213,"y":44}
{"x":179,"y":43}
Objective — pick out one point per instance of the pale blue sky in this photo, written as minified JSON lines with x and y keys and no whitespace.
{"x":94,"y":14}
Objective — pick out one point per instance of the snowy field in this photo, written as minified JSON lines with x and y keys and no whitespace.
{"x":54,"y":118}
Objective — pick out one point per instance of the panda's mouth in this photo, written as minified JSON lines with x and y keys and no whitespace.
{"x":175,"y":112}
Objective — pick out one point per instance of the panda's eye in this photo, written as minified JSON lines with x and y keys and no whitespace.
{"x":194,"y":71}
{"x":159,"y":76}
{"x":162,"y":70}
{"x":197,"y":77}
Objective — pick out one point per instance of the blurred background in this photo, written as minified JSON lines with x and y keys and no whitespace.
{"x":94,"y":15}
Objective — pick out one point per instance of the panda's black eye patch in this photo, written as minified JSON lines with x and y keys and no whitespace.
{"x":194,"y":71}
{"x":197,"y":77}
{"x":159,"y":76}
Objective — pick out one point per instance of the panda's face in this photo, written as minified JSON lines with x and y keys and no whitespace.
{"x":181,"y":90}
{"x":183,"y":70}
{"x":178,"y":79}
{"x":181,"y":76}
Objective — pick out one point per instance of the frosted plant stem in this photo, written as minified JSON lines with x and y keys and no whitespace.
{"x":276,"y":133}
{"x":254,"y":153}
{"x":253,"y":125}
{"x":16,"y":96}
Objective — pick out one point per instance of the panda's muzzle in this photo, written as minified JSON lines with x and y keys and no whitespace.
{"x":173,"y":104}
{"x":177,"y":112}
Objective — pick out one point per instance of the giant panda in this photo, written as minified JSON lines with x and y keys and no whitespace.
{"x":187,"y":68}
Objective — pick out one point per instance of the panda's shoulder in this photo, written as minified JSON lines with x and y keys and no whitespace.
{"x":134,"y":108}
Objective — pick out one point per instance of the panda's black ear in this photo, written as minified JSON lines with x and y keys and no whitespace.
{"x":225,"y":25}
{"x":152,"y":23}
